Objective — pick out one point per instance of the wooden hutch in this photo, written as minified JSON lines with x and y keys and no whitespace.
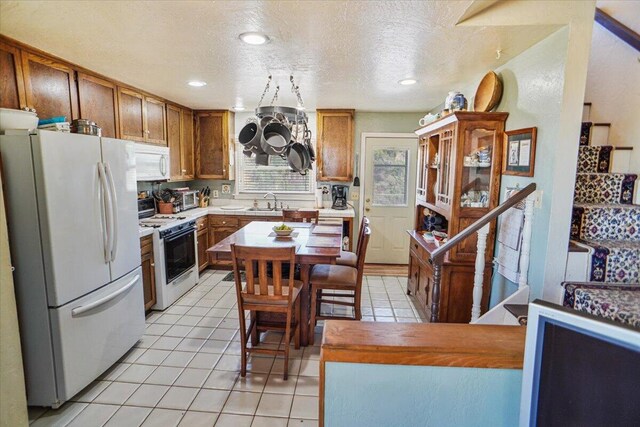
{"x":459,"y":168}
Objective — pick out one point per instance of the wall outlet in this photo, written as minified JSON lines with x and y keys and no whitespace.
{"x":226,"y":189}
{"x":355,"y":195}
{"x":215,"y":194}
{"x":537,"y":202}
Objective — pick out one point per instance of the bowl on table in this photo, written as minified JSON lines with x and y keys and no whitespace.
{"x":282,"y":232}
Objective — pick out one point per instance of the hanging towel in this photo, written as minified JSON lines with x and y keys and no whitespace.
{"x":509,"y":240}
{"x":510,"y":231}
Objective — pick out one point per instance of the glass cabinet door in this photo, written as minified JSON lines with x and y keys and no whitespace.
{"x":444,"y":165}
{"x":477,"y":163}
{"x":421,"y":184}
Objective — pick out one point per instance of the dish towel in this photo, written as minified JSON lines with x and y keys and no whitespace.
{"x":509,"y":240}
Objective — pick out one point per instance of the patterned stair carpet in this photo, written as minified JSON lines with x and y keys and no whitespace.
{"x":605,"y":219}
{"x":618,"y":302}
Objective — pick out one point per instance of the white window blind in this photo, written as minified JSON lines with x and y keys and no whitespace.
{"x":276,"y":177}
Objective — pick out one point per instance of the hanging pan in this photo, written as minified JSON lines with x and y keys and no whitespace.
{"x":298,"y":158}
{"x":275,"y":138}
{"x":250,"y":136}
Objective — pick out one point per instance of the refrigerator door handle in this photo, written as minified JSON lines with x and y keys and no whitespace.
{"x":114,"y":212}
{"x":107,"y":231}
{"x":97,"y":303}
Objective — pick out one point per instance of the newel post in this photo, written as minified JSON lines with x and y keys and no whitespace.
{"x":478,"y":277}
{"x":435,"y":293}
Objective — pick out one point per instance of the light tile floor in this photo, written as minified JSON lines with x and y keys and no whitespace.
{"x":185,"y":369}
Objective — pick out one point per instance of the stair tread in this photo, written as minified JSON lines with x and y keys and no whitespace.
{"x":605,"y":205}
{"x":612,"y":244}
{"x":608,"y":173}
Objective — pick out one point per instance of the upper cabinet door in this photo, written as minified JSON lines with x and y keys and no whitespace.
{"x":212,"y":155}
{"x":50,"y":87}
{"x":99,"y":103}
{"x":335,"y":145}
{"x":131,"y":109}
{"x":174,"y":132}
{"x":155,"y":121}
{"x":188,"y":169}
{"x":12,"y":93}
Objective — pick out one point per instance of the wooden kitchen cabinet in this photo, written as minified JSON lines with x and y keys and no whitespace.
{"x":12,"y":94}
{"x":155,"y":121}
{"x":187,"y":145}
{"x":98,"y":102}
{"x":202,"y":227}
{"x":334,"y":149}
{"x":180,"y":141}
{"x":174,"y":131}
{"x":50,"y":87}
{"x":214,"y":144}
{"x":148,"y":272}
{"x":142,"y":118}
{"x":131,"y":111}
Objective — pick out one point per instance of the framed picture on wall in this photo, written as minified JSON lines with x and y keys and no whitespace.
{"x":519,"y":152}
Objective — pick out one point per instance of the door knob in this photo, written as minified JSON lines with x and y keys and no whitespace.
{"x":367,"y":209}
{"x":368,"y":200}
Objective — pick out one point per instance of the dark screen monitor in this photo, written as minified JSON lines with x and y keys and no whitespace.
{"x":579,"y":370}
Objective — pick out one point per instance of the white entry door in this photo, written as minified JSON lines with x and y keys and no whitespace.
{"x":389,"y":197}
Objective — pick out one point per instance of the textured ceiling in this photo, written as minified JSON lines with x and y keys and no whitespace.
{"x":343,"y":54}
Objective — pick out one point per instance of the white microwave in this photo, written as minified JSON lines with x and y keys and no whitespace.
{"x":152,"y":162}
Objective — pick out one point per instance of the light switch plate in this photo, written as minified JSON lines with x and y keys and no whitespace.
{"x":226,"y":189}
{"x":355,"y":195}
{"x":215,"y":194}
{"x":537,"y":203}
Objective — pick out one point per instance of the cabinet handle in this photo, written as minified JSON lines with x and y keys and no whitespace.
{"x":224,"y":222}
{"x":153,"y":264}
{"x":415,"y":245}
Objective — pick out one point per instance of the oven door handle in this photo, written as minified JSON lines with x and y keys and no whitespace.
{"x":180,"y":234}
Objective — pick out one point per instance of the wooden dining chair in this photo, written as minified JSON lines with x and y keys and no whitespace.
{"x":292,"y":215}
{"x":262,"y":293}
{"x":347,"y":280}
{"x":351,"y":258}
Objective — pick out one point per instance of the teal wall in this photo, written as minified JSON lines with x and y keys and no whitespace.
{"x":533,"y":91}
{"x":404,"y":396}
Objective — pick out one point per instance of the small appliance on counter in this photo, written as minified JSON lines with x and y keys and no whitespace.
{"x":339,"y":195}
{"x":187,"y":198}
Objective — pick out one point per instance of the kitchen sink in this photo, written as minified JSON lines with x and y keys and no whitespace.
{"x":262,"y":210}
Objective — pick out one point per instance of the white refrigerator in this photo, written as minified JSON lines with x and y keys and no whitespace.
{"x":73,"y":227}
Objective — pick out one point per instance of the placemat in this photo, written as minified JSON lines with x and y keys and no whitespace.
{"x":316,"y":241}
{"x":327,"y":229}
{"x":293,"y":234}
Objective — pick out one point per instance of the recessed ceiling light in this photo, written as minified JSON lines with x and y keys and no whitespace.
{"x":254,"y":38}
{"x":239,"y":108}
{"x":407,"y":82}
{"x":196,"y":83}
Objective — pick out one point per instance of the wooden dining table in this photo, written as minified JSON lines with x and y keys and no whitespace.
{"x":315,"y":244}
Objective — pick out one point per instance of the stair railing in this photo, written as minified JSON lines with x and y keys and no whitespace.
{"x":481,"y":227}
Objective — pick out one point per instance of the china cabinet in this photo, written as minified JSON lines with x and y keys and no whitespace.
{"x":458,"y":182}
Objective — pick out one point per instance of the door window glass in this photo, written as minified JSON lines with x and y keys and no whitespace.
{"x":390,"y":170}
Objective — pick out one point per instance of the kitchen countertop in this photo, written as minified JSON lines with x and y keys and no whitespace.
{"x":217,"y":210}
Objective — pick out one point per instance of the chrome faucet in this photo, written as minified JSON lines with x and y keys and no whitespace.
{"x":275,"y":200}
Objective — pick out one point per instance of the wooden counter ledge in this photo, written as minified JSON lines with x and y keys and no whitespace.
{"x":438,"y":344}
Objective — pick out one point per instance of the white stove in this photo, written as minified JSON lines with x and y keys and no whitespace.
{"x":175,"y":256}
{"x":162,"y":221}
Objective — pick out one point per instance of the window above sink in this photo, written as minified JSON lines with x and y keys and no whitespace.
{"x":277,"y":177}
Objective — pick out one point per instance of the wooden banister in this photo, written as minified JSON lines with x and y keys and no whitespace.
{"x":620,"y":30}
{"x":438,"y":255}
{"x":481,"y":227}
